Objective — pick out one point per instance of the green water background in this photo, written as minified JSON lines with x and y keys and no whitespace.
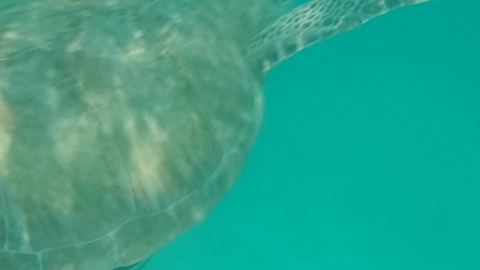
{"x":368,"y":158}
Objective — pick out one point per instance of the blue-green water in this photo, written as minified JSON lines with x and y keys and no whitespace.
{"x":369,"y":156}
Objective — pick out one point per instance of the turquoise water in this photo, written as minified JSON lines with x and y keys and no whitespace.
{"x":369,"y":156}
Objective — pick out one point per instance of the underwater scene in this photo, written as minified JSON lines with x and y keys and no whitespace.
{"x":368,"y":157}
{"x":124,"y":123}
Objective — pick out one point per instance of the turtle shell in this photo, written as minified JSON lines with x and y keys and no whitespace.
{"x":120,"y":127}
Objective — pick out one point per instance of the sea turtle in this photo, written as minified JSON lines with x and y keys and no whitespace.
{"x":122,"y":122}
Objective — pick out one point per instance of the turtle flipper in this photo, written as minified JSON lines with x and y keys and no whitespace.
{"x":136,"y":266}
{"x":312,"y":22}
